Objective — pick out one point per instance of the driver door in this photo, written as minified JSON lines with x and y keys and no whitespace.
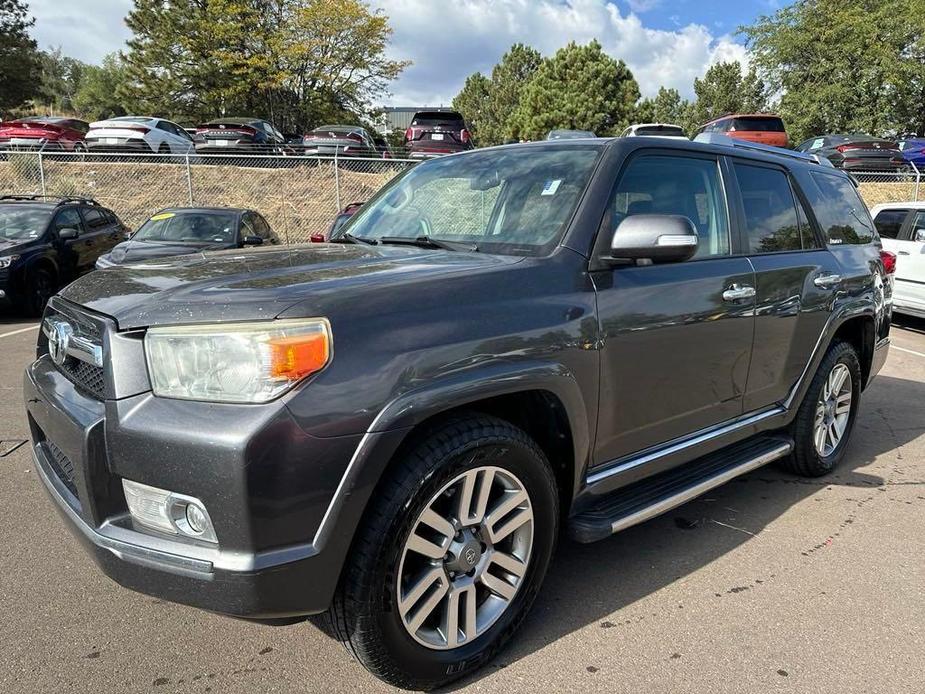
{"x":677,"y":337}
{"x":75,"y":256}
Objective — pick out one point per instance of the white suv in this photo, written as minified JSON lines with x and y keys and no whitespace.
{"x":142,"y":134}
{"x":901,"y":226}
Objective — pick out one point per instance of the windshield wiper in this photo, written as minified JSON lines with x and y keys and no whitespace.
{"x":429,"y":242}
{"x":347,"y":237}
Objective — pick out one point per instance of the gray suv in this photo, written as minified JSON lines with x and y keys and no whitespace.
{"x":504,"y":344}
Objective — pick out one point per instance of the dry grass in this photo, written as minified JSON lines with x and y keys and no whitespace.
{"x":298,"y":197}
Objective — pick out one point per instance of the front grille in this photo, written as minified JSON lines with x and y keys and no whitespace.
{"x":62,"y":466}
{"x":87,"y":377}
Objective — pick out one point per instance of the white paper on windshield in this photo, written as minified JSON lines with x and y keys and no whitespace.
{"x":551,"y":187}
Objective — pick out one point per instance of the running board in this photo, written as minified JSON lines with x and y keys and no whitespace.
{"x":651,"y":497}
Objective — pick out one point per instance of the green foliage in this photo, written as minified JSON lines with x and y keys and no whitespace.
{"x":19,"y":56}
{"x":488,"y":104}
{"x":97,"y":97}
{"x":60,"y":80}
{"x":473,"y":103}
{"x":296,"y":62}
{"x":845,"y":65}
{"x":666,"y":107}
{"x":726,"y":89}
{"x":580,"y":88}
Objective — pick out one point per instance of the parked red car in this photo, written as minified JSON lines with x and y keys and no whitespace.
{"x":434,"y":133}
{"x":765,"y":128}
{"x":339,"y":221}
{"x":44,"y":133}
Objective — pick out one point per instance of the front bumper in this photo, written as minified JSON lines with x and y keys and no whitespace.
{"x":264,"y":482}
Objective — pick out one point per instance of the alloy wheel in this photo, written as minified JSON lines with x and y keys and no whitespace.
{"x":833,"y":410}
{"x":465,"y":558}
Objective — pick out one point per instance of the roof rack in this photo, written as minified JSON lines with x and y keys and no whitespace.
{"x":726,"y":141}
{"x":57,"y":199}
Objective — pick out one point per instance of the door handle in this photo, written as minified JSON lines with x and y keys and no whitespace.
{"x":827,"y":281}
{"x":903,"y":253}
{"x":738,"y":292}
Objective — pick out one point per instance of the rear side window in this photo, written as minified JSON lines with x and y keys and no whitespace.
{"x":843,"y":217}
{"x":770,"y":211}
{"x":680,"y":186}
{"x":890,"y":222}
{"x":94,"y":218}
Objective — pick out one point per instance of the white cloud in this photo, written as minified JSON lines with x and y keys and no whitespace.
{"x":87,"y":30}
{"x":448,"y":41}
{"x":643,"y":5}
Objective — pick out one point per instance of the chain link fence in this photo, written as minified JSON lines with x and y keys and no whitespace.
{"x":890,"y":186}
{"x":299,"y":196}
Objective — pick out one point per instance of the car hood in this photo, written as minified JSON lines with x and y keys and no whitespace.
{"x":8,"y":247}
{"x":133,"y":251}
{"x":261,"y":283}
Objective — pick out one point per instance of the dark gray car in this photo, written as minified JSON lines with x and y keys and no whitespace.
{"x":394,"y":428}
{"x":182,"y":230}
{"x":856,"y":152}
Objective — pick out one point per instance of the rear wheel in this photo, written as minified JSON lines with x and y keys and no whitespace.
{"x":826,"y":418}
{"x":452,"y":552}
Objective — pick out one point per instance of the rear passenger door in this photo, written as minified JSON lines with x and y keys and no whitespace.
{"x":677,"y":337}
{"x":910,"y":264}
{"x":789,"y":259}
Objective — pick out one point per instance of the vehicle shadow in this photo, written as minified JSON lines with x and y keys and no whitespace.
{"x":911,"y":323}
{"x":589,"y":583}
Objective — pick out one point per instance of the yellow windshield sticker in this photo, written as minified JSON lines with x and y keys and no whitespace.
{"x":163,"y":215}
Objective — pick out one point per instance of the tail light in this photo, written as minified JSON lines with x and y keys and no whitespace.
{"x":316,"y":238}
{"x":136,"y":129}
{"x":889,"y":262}
{"x":409,"y":135}
{"x":464,"y":136}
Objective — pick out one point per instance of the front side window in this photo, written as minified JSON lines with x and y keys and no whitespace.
{"x":843,"y":217}
{"x":771,"y":220}
{"x":890,"y":222}
{"x":514,"y":202}
{"x":675,"y":186}
{"x":918,"y":226}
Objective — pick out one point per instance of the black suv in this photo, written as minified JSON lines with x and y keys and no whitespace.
{"x":394,"y":428}
{"x":45,"y":242}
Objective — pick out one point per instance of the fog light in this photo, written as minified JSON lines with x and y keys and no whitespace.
{"x":168,"y":511}
{"x":196,"y":519}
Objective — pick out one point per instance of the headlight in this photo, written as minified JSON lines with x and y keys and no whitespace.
{"x":8,"y":260}
{"x":236,"y":362}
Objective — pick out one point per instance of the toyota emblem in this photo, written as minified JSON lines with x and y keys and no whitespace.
{"x":59,"y":339}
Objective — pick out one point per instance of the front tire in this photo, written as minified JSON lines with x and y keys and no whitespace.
{"x":451,"y":554}
{"x":825,"y":420}
{"x":40,"y":287}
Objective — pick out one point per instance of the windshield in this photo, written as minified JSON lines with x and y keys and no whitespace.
{"x":513,"y":201}
{"x":23,"y":223}
{"x":189,"y":227}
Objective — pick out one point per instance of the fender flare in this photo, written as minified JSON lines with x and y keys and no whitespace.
{"x":393,"y":423}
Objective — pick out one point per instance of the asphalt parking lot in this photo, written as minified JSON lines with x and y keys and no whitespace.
{"x":771,"y":583}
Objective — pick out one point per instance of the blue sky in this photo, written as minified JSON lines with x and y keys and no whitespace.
{"x":665,"y":42}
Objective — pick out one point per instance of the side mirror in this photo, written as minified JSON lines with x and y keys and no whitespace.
{"x":659,"y":238}
{"x":919,"y":236}
{"x":252,"y":241}
{"x":68,"y":234}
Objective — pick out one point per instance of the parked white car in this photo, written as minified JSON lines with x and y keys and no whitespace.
{"x":141,"y":134}
{"x":901,"y":226}
{"x":654,"y":130}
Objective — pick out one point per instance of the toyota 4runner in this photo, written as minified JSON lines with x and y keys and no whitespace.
{"x":393,"y":429}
